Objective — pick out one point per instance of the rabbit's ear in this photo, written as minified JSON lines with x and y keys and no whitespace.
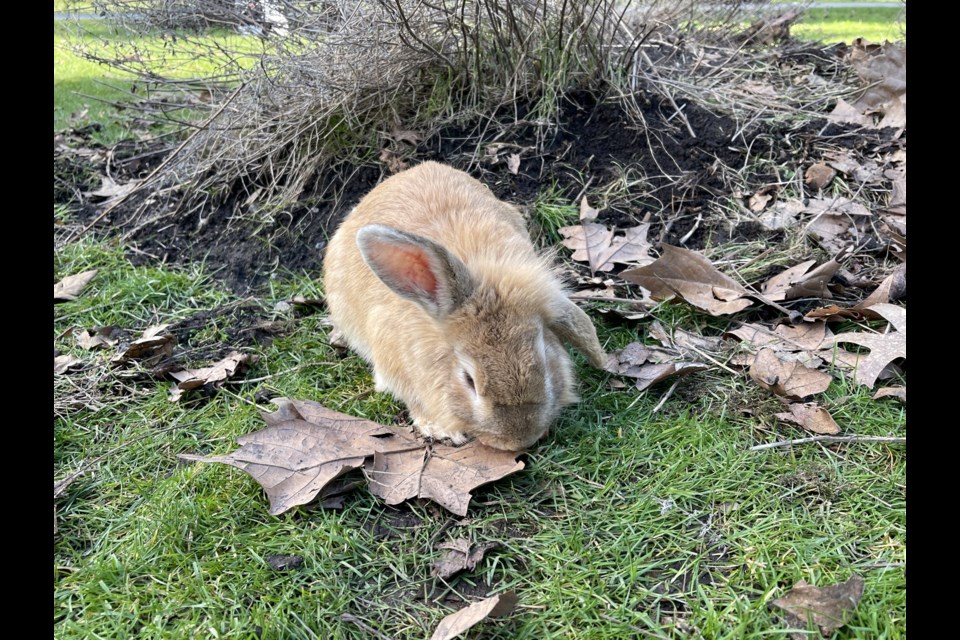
{"x":573,"y":326}
{"x":416,"y":268}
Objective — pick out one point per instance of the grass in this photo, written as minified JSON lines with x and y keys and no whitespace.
{"x":624,"y":520}
{"x":846,"y":25}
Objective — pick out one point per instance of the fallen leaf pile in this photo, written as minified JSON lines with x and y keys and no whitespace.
{"x":305,"y":446}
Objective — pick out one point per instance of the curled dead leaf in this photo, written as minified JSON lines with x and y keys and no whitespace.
{"x":456,"y":623}
{"x":71,"y":286}
{"x":61,"y":364}
{"x":513,"y":163}
{"x":690,"y":276}
{"x":460,"y":556}
{"x":900,"y":393}
{"x":819,"y":175}
{"x":811,"y":417}
{"x":215,"y":374}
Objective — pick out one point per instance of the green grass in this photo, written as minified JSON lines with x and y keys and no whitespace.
{"x":626,"y":522}
{"x":846,"y":25}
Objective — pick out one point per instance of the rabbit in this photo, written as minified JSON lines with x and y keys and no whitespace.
{"x":436,"y":283}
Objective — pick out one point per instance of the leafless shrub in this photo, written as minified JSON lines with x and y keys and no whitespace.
{"x":314,"y":86}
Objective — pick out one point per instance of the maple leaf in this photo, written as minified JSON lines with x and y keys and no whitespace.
{"x":305,"y":446}
{"x":601,"y":248}
{"x":827,"y":607}
{"x":690,"y":276}
{"x":456,"y":623}
{"x":884,"y":347}
{"x":71,"y":286}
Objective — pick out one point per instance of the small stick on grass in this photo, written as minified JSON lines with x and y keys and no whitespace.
{"x":787,"y":443}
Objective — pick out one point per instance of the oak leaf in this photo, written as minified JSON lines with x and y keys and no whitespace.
{"x":215,"y":374}
{"x":690,"y":276}
{"x":600,"y":247}
{"x":650,"y":364}
{"x":305,"y":446}
{"x":828,"y":607}
{"x":884,"y":347}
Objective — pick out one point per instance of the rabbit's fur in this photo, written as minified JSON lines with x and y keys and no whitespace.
{"x":436,"y":283}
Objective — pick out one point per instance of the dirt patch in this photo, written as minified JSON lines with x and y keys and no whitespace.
{"x":632,"y":169}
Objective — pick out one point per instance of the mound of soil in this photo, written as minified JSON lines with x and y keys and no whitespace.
{"x":659,"y":168}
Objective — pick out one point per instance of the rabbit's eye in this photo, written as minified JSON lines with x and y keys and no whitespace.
{"x":469,"y":381}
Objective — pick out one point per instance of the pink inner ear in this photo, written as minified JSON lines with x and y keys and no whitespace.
{"x":411,"y":268}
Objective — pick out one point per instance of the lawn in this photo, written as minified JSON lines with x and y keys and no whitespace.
{"x":644,"y":514}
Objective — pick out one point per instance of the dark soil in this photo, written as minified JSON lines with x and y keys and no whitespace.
{"x":674,"y":178}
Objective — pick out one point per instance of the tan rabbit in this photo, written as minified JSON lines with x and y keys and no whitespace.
{"x":436,"y":283}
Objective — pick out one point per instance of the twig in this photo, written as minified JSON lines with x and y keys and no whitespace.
{"x":61,"y":486}
{"x":666,"y":396}
{"x":787,"y":443}
{"x":349,"y":617}
{"x":156,"y":171}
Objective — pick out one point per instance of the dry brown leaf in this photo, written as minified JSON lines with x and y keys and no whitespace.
{"x":819,"y":175}
{"x":111,"y":189}
{"x":513,"y":163}
{"x":808,"y":336}
{"x":811,"y":417}
{"x":782,"y":214}
{"x":393,"y":162}
{"x":789,"y":379}
{"x":846,"y":113}
{"x":71,"y":286}
{"x":62,"y":363}
{"x":900,"y":393}
{"x":685,"y":342}
{"x":893,"y":287}
{"x":650,"y":364}
{"x":96,"y":338}
{"x":305,"y":446}
{"x":859,"y":168}
{"x":690,"y":276}
{"x":598,"y":245}
{"x":827,"y":607}
{"x":215,"y":374}
{"x":587,"y":213}
{"x":459,"y":557}
{"x":154,"y":345}
{"x":884,"y":348}
{"x":456,"y":623}
{"x":406,"y":135}
{"x":802,"y":282}
{"x":759,"y":201}
{"x":440,"y":473}
{"x":882,"y":69}
{"x":307,"y":302}
{"x":837,"y":222}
